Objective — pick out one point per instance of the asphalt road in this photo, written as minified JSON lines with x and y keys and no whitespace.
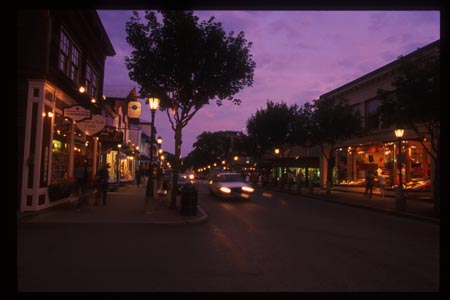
{"x":271,"y":243}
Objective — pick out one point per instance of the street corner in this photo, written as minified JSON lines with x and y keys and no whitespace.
{"x":171,"y":217}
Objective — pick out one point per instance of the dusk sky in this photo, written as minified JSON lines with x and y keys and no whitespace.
{"x":299,"y":56}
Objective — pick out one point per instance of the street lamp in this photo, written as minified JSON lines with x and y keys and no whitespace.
{"x":159,"y":141}
{"x":153,"y":103}
{"x":400,"y":199}
{"x":118,"y":163}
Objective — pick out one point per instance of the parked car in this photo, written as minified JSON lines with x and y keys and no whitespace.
{"x":230,"y":185}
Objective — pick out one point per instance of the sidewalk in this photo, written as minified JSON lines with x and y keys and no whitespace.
{"x":125,"y":205}
{"x":416,"y":207}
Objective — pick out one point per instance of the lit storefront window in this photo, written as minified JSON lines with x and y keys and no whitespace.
{"x":60,"y":149}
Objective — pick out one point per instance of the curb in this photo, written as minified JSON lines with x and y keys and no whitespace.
{"x":197,"y":220}
{"x":376,"y":209}
{"x":201,"y":217}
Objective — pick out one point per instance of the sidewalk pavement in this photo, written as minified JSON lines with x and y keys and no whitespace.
{"x":416,"y":207}
{"x":125,"y":205}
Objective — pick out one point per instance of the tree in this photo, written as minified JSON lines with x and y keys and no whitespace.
{"x":331,"y":120}
{"x":211,"y":147}
{"x":415,"y":104}
{"x":187,"y":64}
{"x":274,"y":127}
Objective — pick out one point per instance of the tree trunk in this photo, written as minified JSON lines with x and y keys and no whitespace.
{"x":436,"y":185}
{"x":329,"y":180}
{"x":176,"y":167}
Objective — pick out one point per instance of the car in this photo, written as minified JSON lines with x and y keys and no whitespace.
{"x":230,"y":185}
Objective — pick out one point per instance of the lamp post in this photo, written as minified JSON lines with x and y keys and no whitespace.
{"x":118,"y":163}
{"x":153,"y":103}
{"x":400,"y":199}
{"x":159,"y":141}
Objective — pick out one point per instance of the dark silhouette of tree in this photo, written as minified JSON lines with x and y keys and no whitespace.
{"x":274,"y":127}
{"x":415,"y":104}
{"x":331,"y":120}
{"x":187,"y":64}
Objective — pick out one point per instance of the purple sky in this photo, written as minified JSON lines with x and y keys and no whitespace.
{"x":299,"y":56}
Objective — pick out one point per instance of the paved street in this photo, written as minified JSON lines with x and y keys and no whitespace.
{"x":274,"y":242}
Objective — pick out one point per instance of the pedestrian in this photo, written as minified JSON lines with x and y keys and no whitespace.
{"x":82,"y":179}
{"x":102,"y":184}
{"x":369,"y":183}
{"x":138,"y":177}
{"x":381,"y":182}
{"x":159,"y":179}
{"x":299,"y":181}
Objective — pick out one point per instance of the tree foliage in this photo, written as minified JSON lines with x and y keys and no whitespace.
{"x":186,"y":63}
{"x":415,"y":101}
{"x":211,"y":147}
{"x":276,"y":126}
{"x":332,"y":120}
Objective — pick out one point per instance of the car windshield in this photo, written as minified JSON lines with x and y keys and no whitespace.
{"x":229,"y":178}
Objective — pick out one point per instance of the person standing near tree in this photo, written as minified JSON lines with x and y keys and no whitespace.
{"x":369,"y":183}
{"x":102,"y":183}
{"x":138,"y":177}
{"x":381,"y":182}
{"x":82,"y":179}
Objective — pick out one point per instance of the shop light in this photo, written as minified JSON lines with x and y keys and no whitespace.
{"x":82,"y":89}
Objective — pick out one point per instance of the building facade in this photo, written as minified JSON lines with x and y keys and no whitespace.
{"x":122,"y":154}
{"x":61,"y":61}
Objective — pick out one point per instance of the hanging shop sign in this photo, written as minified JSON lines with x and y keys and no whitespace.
{"x":93,"y":125}
{"x":110,"y":135}
{"x":134,"y":109}
{"x":77,"y":113}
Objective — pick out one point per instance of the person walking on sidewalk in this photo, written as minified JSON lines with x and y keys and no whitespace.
{"x":369,"y":183}
{"x":381,"y":182}
{"x":102,"y":184}
{"x":82,"y":181}
{"x":138,"y":177}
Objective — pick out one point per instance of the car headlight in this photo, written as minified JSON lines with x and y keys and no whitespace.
{"x":248,"y":189}
{"x":225,"y":190}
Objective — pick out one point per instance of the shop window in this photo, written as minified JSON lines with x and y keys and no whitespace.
{"x":60,"y":149}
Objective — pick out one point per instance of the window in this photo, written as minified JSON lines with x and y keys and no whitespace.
{"x":69,"y":57}
{"x":74,"y":64}
{"x":373,"y":118}
{"x":359,"y":109}
{"x":91,"y":81}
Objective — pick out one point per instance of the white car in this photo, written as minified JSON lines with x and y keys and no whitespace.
{"x":230,"y":185}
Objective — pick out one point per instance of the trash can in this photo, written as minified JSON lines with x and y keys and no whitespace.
{"x":188,"y":200}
